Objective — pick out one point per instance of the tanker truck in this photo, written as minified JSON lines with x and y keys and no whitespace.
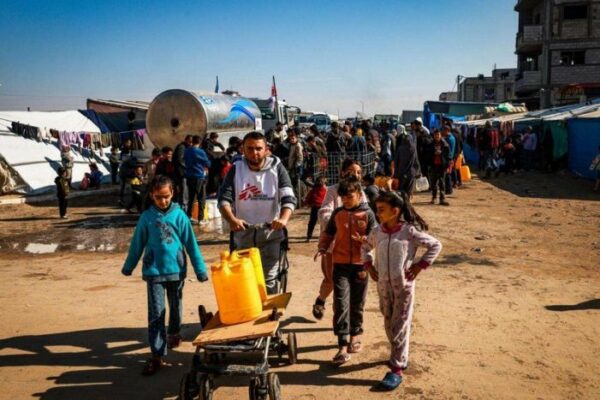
{"x":175,"y":113}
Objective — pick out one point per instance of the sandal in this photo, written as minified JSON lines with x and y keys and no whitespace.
{"x":173,"y":341}
{"x":355,"y":347}
{"x":341,"y":358}
{"x":152,"y":366}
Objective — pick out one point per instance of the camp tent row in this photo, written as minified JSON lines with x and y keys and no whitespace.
{"x":29,"y":166}
{"x":571,"y":133}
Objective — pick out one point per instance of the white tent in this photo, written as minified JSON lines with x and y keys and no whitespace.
{"x":70,"y":121}
{"x":36,"y":162}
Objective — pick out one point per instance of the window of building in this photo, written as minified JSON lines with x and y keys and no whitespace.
{"x":572,"y":57}
{"x":489,"y":94}
{"x":575,"y":12}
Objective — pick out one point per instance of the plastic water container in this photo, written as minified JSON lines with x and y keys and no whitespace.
{"x":236,"y":291}
{"x":465,"y":173}
{"x":254,"y":255}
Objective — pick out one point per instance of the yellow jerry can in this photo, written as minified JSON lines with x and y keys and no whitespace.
{"x":254,"y":255}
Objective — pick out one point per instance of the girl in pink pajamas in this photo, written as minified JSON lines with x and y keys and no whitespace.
{"x":394,"y":245}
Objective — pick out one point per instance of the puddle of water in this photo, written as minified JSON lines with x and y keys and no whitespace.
{"x":40,"y":248}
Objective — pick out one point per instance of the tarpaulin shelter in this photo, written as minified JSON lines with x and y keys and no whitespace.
{"x":34,"y":162}
{"x":433,"y":111}
{"x":470,"y":152}
{"x":584,"y":139}
{"x":551,"y":128}
{"x":120,"y":116}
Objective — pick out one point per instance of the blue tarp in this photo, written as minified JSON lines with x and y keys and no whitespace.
{"x":584,"y":139}
{"x":92,"y":116}
{"x":471,"y":154}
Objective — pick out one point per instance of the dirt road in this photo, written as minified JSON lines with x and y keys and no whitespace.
{"x":511,"y":309}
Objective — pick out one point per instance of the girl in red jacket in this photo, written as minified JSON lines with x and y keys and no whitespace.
{"x":314,"y":199}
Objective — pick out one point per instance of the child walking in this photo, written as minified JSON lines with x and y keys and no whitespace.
{"x":62,"y":191}
{"x":349,"y":276}
{"x":314,"y":199}
{"x":394,"y":244}
{"x":162,"y":233}
{"x":137,"y":188}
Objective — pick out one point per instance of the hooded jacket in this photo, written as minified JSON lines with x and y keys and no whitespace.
{"x":343,"y":224}
{"x":163,"y":237}
{"x":394,"y":252}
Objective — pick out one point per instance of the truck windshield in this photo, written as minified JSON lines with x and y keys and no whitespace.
{"x":267,"y":113}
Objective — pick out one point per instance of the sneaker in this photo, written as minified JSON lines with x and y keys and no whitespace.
{"x":444,"y":203}
{"x":433,"y":201}
{"x":390,"y":382}
{"x":318,"y":310}
{"x":64,"y":216}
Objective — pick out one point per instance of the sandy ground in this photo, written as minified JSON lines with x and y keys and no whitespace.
{"x":511,"y":310}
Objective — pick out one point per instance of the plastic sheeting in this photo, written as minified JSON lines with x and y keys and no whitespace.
{"x":70,"y":121}
{"x":92,"y":116}
{"x":584,"y":139}
{"x":36,"y":162}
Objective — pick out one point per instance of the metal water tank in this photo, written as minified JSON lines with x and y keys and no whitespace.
{"x":175,"y":113}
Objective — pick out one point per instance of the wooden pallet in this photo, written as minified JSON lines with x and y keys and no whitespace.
{"x":216,"y":332}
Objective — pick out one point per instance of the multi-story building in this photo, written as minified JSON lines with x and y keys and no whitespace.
{"x":497,"y":88}
{"x":558,"y":49}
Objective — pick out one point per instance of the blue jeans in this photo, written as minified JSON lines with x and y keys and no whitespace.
{"x":157,"y":334}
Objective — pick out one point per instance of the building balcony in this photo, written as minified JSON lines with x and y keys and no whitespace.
{"x":528,"y":80}
{"x":529,"y":39}
{"x":523,"y":5}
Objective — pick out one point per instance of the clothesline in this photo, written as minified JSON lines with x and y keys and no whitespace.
{"x":92,"y":140}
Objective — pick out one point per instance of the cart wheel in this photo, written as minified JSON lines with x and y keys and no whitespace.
{"x":256,"y":390}
{"x":206,"y":387}
{"x":274,"y":386}
{"x":252,"y":389}
{"x":188,"y":388}
{"x":292,"y":348}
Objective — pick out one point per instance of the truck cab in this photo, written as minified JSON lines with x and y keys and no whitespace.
{"x":274,"y":111}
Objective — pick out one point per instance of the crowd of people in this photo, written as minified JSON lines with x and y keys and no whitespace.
{"x":257,"y":198}
{"x":367,"y":224}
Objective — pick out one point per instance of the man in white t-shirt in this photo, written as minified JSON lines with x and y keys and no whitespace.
{"x":257,"y":190}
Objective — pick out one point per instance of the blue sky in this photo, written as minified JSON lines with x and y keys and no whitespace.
{"x":325,"y":55}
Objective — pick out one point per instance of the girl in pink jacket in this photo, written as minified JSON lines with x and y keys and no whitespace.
{"x":394,"y":246}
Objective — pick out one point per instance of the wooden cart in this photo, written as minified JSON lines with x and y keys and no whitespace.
{"x":216,"y":341}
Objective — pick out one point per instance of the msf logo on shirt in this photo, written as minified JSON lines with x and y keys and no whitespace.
{"x":249,"y":192}
{"x":252,"y":192}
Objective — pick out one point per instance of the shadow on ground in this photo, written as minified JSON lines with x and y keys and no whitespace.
{"x":556,"y":185}
{"x":586,"y":305}
{"x":106,"y":363}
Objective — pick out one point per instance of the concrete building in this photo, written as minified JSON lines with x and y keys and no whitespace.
{"x":448,"y":96}
{"x":558,"y":49}
{"x":497,"y":88}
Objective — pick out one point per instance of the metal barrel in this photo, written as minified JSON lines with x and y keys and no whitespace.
{"x":175,"y":113}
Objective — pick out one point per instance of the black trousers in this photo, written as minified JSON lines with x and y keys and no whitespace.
{"x":196,"y":190}
{"x":349,"y":292}
{"x":62,"y":206}
{"x":136,"y":201}
{"x":312,"y":221}
{"x":437,"y":178}
{"x":114,"y":172}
